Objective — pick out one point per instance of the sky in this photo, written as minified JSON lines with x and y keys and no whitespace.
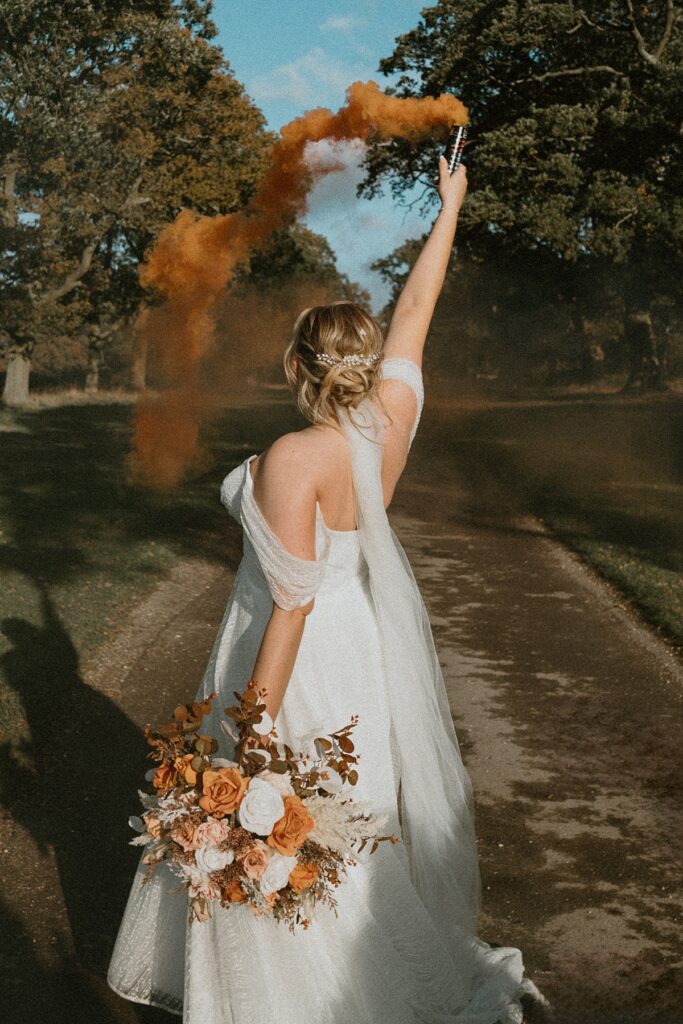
{"x":293,"y":55}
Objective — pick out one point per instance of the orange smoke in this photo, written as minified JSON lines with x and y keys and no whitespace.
{"x":195,"y":258}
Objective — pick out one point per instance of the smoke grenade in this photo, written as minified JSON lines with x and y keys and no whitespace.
{"x":455,"y":147}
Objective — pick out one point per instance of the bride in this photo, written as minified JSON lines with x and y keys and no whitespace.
{"x":325,"y":615}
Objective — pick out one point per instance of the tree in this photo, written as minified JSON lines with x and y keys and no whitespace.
{"x":576,"y":129}
{"x":297,"y":255}
{"x":294,"y":269}
{"x":113,"y":116}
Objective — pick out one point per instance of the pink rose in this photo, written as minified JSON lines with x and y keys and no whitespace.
{"x":184,"y":832}
{"x":212,"y":831}
{"x":206,"y":891}
{"x":255,"y":859}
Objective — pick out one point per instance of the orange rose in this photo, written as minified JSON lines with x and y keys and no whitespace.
{"x":164,"y":777}
{"x":235,"y":892}
{"x":303,"y":876}
{"x":184,"y":768}
{"x":291,"y":829}
{"x":223,"y":791}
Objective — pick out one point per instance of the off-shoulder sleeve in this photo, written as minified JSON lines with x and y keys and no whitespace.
{"x":292,"y":581}
{"x":231,"y":491}
{"x":409,"y":372}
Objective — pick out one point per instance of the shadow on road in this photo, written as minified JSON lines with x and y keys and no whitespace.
{"x":70,"y":784}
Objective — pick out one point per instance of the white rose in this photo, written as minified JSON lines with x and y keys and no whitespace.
{"x":277,"y":873}
{"x":279,"y":781}
{"x":261,"y":807}
{"x":209,"y":858}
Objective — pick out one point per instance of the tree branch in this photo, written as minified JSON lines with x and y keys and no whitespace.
{"x":408,"y":206}
{"x":627,"y":216}
{"x":72,"y":279}
{"x":648,"y":56}
{"x":606,"y":69}
{"x":89,"y":249}
{"x":583,"y":20}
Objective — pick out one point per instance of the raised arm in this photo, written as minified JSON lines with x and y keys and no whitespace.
{"x":415,"y":306}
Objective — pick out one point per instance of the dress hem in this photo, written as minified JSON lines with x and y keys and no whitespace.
{"x":144,"y":1002}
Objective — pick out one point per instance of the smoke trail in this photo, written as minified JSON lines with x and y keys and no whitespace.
{"x":195,"y":258}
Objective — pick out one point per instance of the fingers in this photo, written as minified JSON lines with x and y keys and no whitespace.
{"x":444,"y":174}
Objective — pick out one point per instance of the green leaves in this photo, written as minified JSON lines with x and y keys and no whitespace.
{"x":560,"y":96}
{"x":575,"y":174}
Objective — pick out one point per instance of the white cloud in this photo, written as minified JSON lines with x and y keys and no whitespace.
{"x":359,"y":230}
{"x":307,"y":79}
{"x":342,"y":23}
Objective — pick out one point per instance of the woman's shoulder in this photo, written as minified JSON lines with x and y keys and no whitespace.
{"x":301,"y":454}
{"x":286,"y":483}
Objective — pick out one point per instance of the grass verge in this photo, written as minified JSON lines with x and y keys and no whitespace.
{"x":604,"y":473}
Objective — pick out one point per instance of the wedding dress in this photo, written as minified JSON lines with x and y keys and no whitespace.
{"x":402,"y":947}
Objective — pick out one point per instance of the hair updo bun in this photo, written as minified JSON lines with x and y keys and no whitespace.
{"x":323,"y":384}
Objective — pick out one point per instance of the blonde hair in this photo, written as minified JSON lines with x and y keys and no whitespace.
{"x":337,"y":330}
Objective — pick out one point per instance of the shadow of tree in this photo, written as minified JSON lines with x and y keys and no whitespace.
{"x":71,"y":785}
{"x":66,"y":500}
{"x":616,"y":465}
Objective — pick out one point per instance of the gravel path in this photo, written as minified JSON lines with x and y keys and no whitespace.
{"x":569,"y":715}
{"x":568,"y":712}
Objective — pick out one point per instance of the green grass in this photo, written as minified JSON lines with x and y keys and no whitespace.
{"x":78,"y":545}
{"x":605,"y":473}
{"x":655,"y":590}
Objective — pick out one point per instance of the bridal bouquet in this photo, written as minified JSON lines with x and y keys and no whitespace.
{"x":272,"y":829}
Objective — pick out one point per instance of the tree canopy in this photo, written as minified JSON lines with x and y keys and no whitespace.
{"x":112,"y":117}
{"x":576,"y":121}
{"x":575,"y":152}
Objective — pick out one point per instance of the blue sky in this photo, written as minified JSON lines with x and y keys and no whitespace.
{"x":298,"y":54}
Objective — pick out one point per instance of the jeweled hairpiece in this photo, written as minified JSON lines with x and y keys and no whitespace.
{"x":347,"y":360}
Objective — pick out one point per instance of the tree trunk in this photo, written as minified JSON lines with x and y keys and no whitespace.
{"x":138,"y":373}
{"x":17,"y":376}
{"x":92,"y":377}
{"x":645,"y":363}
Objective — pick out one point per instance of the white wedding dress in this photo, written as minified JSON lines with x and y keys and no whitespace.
{"x":402,"y":948}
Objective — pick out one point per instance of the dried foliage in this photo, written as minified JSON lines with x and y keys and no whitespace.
{"x":273,"y":828}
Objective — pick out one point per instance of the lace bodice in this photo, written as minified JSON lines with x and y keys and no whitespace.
{"x":293,"y":581}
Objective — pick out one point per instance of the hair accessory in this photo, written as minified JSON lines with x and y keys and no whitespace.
{"x":347,"y":360}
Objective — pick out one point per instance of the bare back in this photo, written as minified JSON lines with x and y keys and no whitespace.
{"x":313,"y":465}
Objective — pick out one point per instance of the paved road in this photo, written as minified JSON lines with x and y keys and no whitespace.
{"x":567,"y":711}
